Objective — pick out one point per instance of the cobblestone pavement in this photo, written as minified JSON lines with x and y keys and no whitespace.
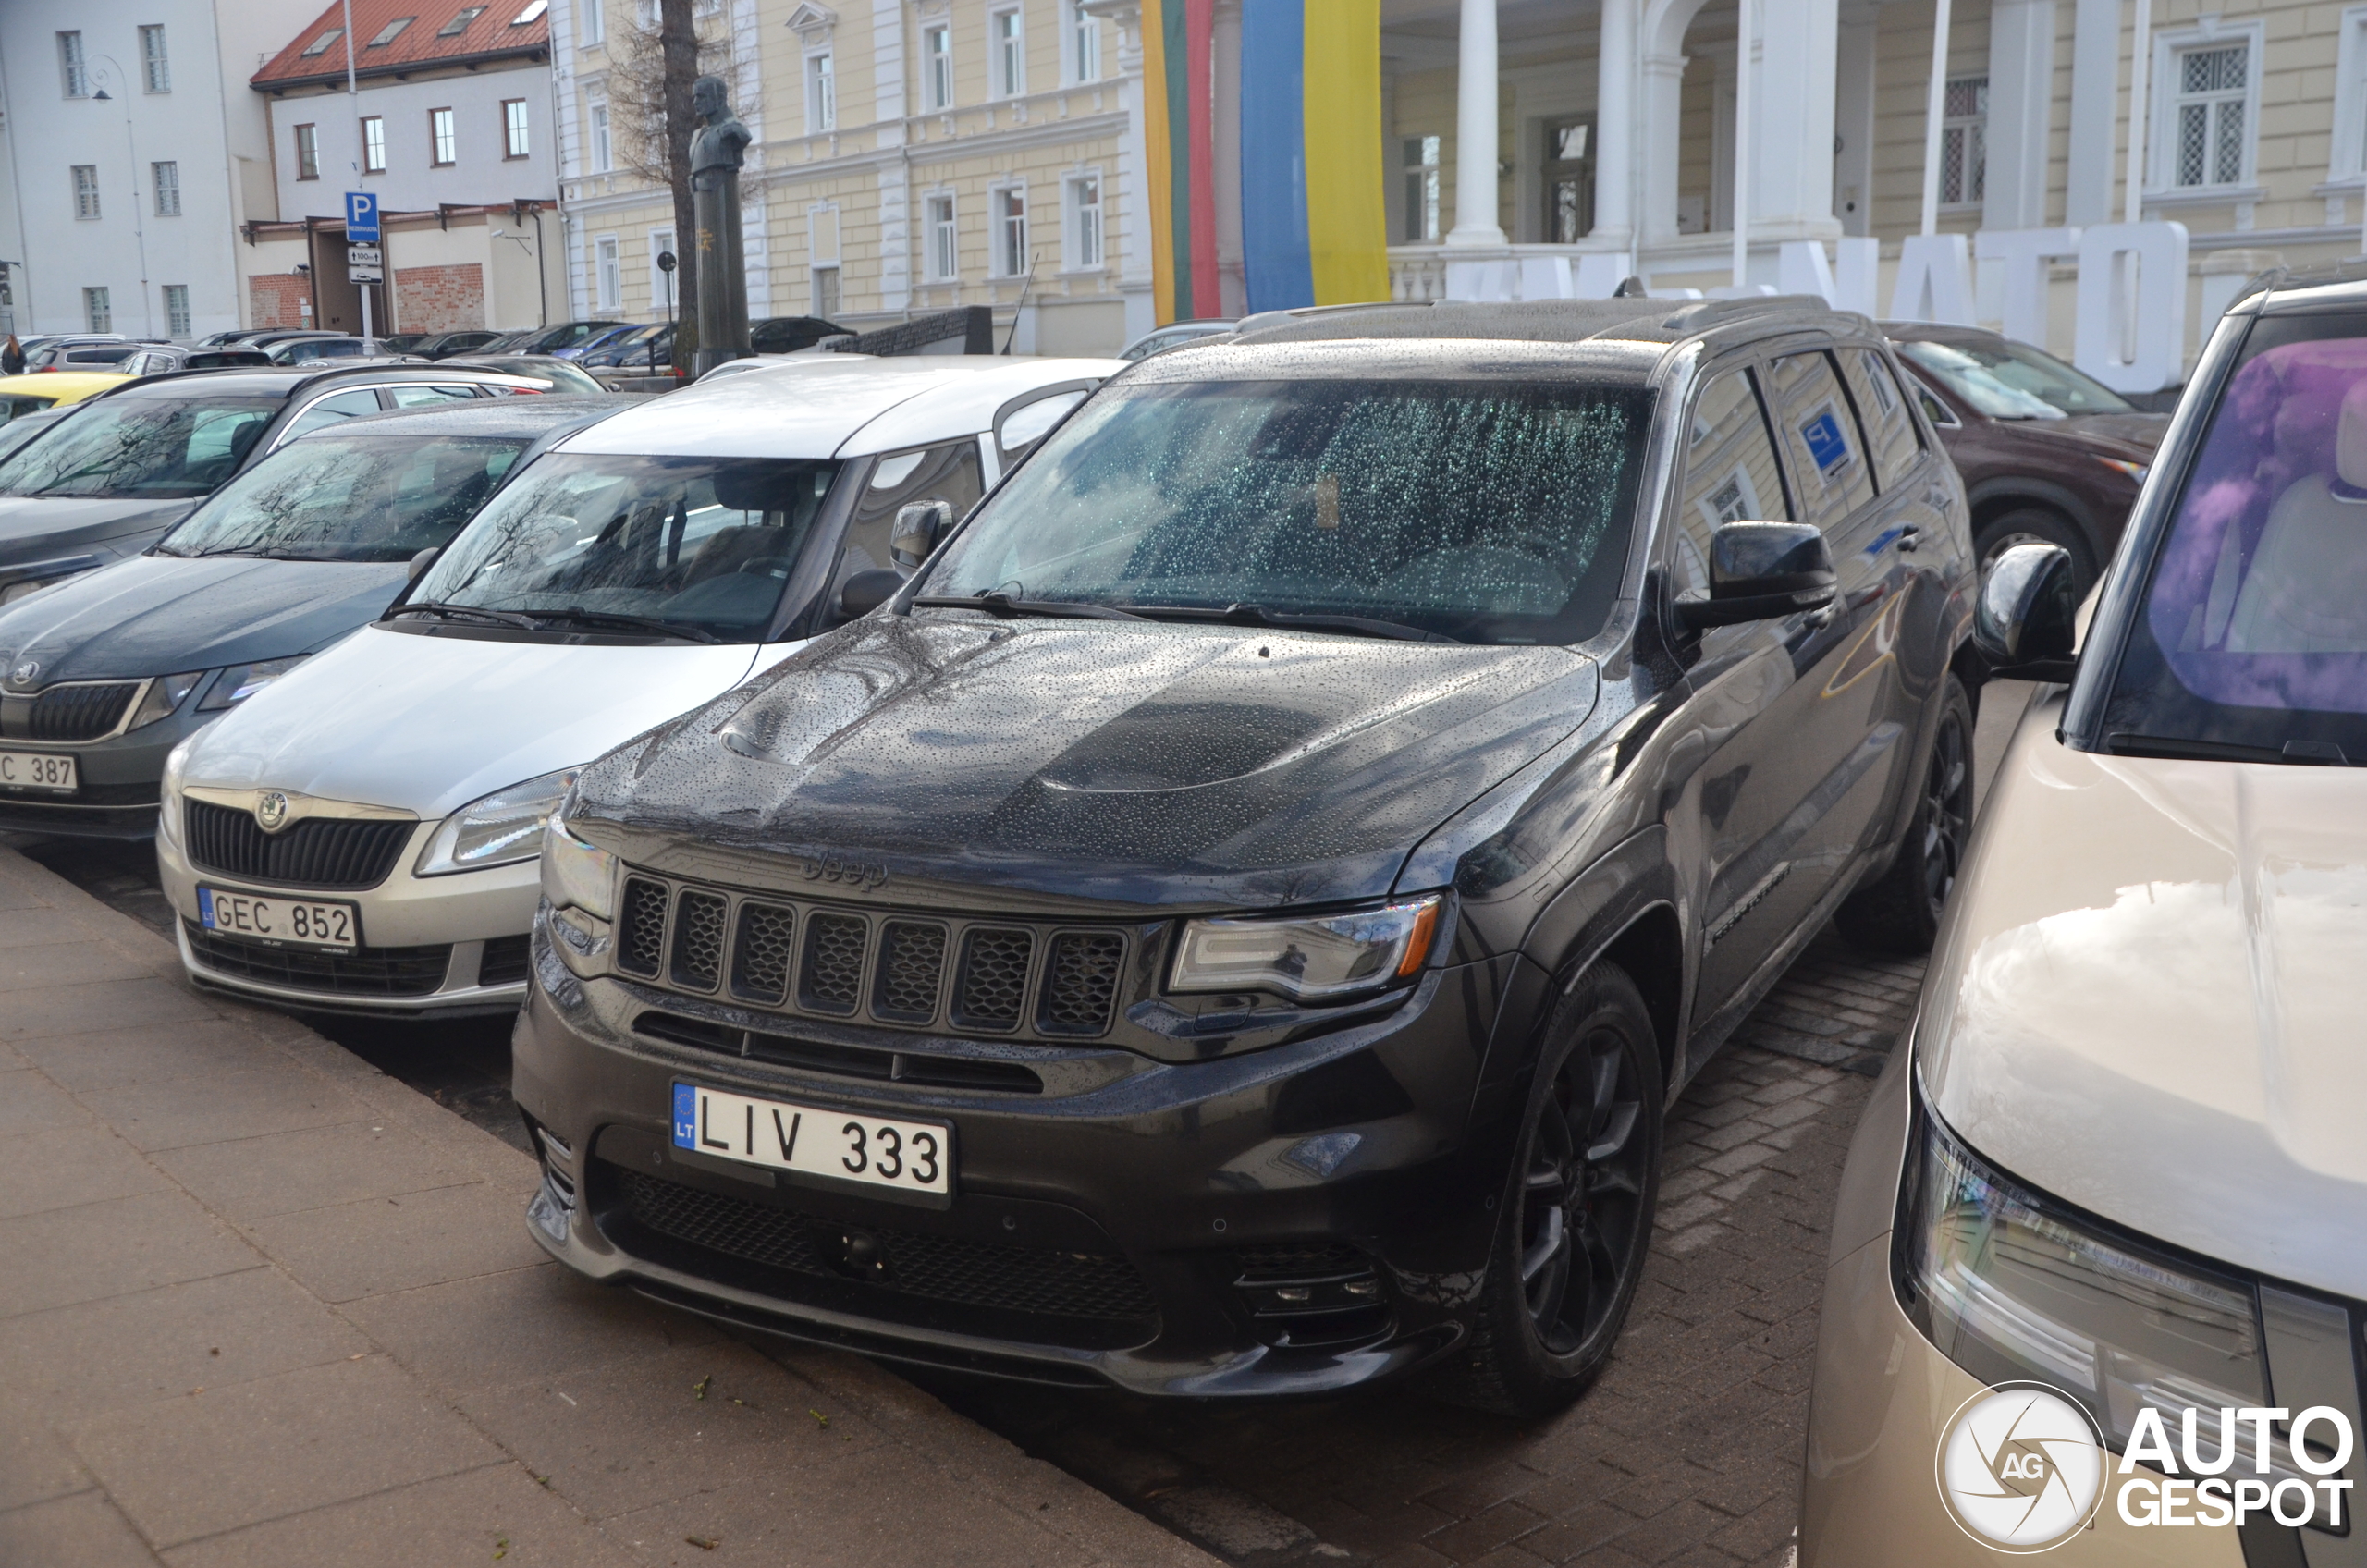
{"x":1688,"y":1449}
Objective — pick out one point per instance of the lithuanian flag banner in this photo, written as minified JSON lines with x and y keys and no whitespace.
{"x":1179,"y":145}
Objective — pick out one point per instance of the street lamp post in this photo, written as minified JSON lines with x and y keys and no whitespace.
{"x":131,"y":150}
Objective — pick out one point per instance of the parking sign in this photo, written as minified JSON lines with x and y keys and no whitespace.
{"x":361,"y":219}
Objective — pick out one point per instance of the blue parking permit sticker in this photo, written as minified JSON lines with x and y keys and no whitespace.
{"x":1825,"y":444}
{"x":205,"y":907}
{"x":686,"y":1115}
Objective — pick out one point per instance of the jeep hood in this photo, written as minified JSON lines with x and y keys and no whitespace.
{"x":1142,"y":765}
{"x":35,"y":528}
{"x":158,"y":615}
{"x":2146,"y":1000}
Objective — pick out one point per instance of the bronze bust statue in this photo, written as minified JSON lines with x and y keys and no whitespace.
{"x":720,"y":142}
{"x":716,"y":152}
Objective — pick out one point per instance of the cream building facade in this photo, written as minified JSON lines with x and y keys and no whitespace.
{"x":908,"y":156}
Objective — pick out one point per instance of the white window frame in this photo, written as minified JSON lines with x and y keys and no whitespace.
{"x":608,"y":273}
{"x":999,"y":248}
{"x":602,"y":152}
{"x":595,"y":23}
{"x":443,"y":137}
{"x":87,"y":208}
{"x":1077,"y":255}
{"x":98,"y":309}
{"x":821,"y":79}
{"x":814,"y":304}
{"x":373,"y":144}
{"x":155,"y":64}
{"x":1080,"y":45}
{"x":73,"y":64}
{"x":936,"y":66}
{"x":941,"y":237}
{"x":176,"y":317}
{"x":1424,"y":212}
{"x":1970,"y":129}
{"x":2161,"y":161}
{"x":518,"y":131}
{"x":1007,"y":53}
{"x":660,"y":241}
{"x":2346,"y":158}
{"x":164,"y":181}
{"x":300,"y":143}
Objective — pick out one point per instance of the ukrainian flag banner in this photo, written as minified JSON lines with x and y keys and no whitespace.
{"x":1314,"y":228}
{"x":1179,"y":142}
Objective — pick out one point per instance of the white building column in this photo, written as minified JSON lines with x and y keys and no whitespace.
{"x":1615,"y":105}
{"x":1132,"y":186}
{"x":2095,"y":112}
{"x":1662,"y":117}
{"x":1791,"y":175}
{"x":1475,"y":129}
{"x":1853,"y":111}
{"x":2021,"y":91}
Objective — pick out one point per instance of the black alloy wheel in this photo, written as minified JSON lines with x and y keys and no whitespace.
{"x":1576,"y":1221}
{"x":1899,"y":912}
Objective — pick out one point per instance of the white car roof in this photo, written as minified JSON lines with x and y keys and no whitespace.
{"x":814,"y":408}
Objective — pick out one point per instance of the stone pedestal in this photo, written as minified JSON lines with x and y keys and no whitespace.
{"x":723,"y":274}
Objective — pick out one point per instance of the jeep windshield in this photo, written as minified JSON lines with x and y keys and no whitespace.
{"x":1480,"y":511}
{"x":144,"y":448}
{"x":377,"y":497}
{"x":698,"y":548}
{"x":2250,"y":640}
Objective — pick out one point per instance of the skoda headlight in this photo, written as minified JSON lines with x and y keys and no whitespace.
{"x":2010,"y":1285}
{"x":501,"y":829}
{"x":575,"y":874}
{"x":238,"y":682}
{"x":166,"y":694}
{"x":1318,"y":958}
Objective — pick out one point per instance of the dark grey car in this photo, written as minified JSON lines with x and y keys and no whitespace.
{"x":136,"y":459}
{"x":105,"y":675}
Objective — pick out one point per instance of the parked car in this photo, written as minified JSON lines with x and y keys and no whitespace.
{"x":295,"y":553}
{"x":14,"y":436}
{"x":553,"y":375}
{"x":605,"y":336}
{"x":298,"y":351}
{"x":2050,"y":456}
{"x":77,"y":354}
{"x":639,"y":568}
{"x":2120,"y":1164}
{"x":153,"y":359}
{"x":544,"y":339}
{"x":1175,"y":336}
{"x":22,"y":395}
{"x":647,"y":349}
{"x":139,"y":456}
{"x":787,"y":335}
{"x":444,"y":345}
{"x":1236,"y":918}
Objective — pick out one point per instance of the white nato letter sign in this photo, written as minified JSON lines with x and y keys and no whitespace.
{"x":2153,"y":333}
{"x":1934,"y":280}
{"x":2022,"y":257}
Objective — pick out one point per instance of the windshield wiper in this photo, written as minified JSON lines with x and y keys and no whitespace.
{"x":2319,"y":753}
{"x":613,"y":618}
{"x":1257,"y":614}
{"x":1003,"y":604}
{"x":464,"y":612}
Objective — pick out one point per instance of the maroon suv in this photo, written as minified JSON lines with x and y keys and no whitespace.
{"x":2048,"y":455}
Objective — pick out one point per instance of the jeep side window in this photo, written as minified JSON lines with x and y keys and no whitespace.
{"x":949,"y":472}
{"x":1731,"y":474}
{"x":1890,"y":432}
{"x":1820,"y":432}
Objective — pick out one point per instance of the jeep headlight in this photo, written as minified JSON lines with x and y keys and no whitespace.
{"x":576,"y":874}
{"x":1317,"y":958}
{"x":502,"y":829}
{"x":2010,"y":1284}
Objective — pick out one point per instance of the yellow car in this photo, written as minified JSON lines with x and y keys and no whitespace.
{"x":21,"y":394}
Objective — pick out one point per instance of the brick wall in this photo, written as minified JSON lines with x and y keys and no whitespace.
{"x":439,"y":298}
{"x":276,"y":299}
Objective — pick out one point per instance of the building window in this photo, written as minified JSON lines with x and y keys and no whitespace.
{"x":821,"y":93}
{"x":513,"y":128}
{"x":1010,"y":232}
{"x":825,"y":293}
{"x":936,"y":42}
{"x":322,"y":44}
{"x":1084,"y":44}
{"x":164,"y":179}
{"x":607,"y":273}
{"x":1084,"y":221}
{"x":1010,"y":59}
{"x":603,"y":148}
{"x":1421,"y":166}
{"x":595,"y":23}
{"x":389,"y":32}
{"x":177,"y":323}
{"x":1964,"y":142}
{"x":97,"y":314}
{"x":661,"y":281}
{"x":155,"y":71}
{"x":443,"y":139}
{"x":71,"y":63}
{"x":2210,"y":114}
{"x":944,"y":241}
{"x":307,"y":152}
{"x":461,"y":22}
{"x":86,"y":190}
{"x":373,"y":144}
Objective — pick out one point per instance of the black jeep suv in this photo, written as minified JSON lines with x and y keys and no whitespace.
{"x":1231,"y":923}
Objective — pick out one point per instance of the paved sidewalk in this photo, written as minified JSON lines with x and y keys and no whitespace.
{"x":264,"y":1305}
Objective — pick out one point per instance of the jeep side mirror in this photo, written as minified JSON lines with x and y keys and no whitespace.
{"x":2026,"y":622}
{"x":866,"y":590}
{"x":1761,"y":571}
{"x":919,"y":526}
{"x":422,"y":562}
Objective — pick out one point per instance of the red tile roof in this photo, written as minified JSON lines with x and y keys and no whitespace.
{"x":500,"y":28}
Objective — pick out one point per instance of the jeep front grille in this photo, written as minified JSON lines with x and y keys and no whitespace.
{"x":900,"y":968}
